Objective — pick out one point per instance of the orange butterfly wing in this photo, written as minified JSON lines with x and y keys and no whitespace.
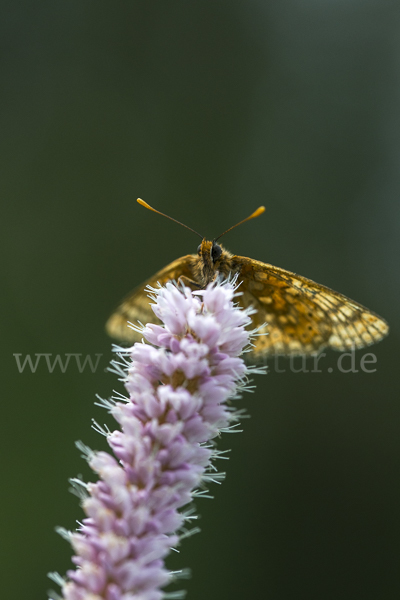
{"x":295,"y":315}
{"x":136,"y":306}
{"x":301,"y":316}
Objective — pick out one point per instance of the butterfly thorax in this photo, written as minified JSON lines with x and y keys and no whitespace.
{"x":211,"y":259}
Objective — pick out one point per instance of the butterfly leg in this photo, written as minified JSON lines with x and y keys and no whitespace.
{"x":190,"y":283}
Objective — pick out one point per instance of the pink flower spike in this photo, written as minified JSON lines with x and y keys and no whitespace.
{"x":178,"y":384}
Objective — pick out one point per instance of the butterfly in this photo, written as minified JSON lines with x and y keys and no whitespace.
{"x":293,"y":314}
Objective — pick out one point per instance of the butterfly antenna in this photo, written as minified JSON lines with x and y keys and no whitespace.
{"x":143,"y":203}
{"x":255,"y":214}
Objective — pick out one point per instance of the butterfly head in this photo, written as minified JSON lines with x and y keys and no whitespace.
{"x":213,"y":258}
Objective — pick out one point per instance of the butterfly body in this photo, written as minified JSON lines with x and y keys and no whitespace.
{"x":294,"y":314}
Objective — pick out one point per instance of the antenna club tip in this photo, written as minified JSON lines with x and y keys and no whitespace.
{"x":143,"y":203}
{"x":259,"y":211}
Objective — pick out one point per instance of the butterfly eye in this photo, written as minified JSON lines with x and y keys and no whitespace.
{"x":199,"y":249}
{"x":216,"y":252}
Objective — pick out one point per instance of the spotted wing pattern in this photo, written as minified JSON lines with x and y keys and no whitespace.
{"x":137,"y":305}
{"x":302,"y":316}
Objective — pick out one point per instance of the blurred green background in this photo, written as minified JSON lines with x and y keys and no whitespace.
{"x":206,"y":110}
